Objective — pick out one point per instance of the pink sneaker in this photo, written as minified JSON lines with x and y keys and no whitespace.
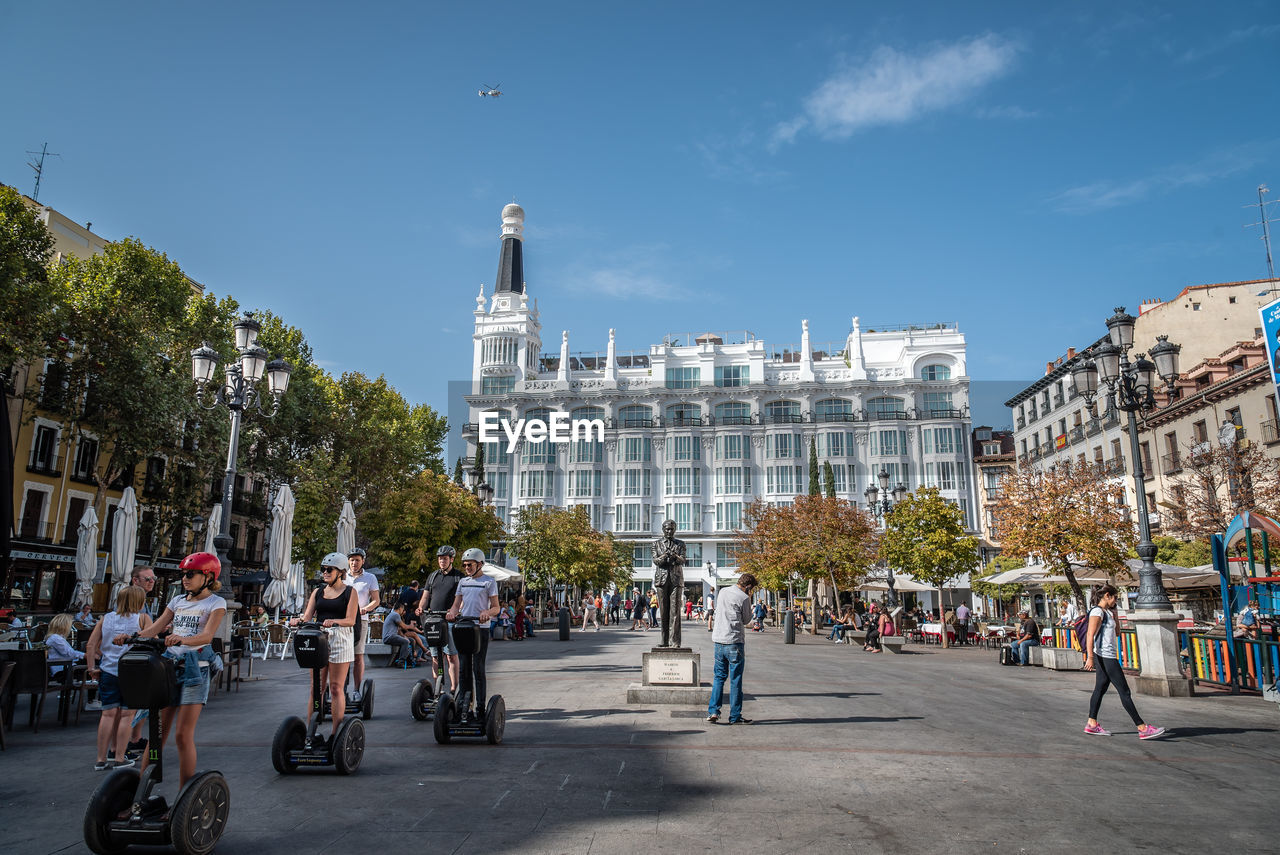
{"x":1096,"y":730}
{"x":1149,"y":732}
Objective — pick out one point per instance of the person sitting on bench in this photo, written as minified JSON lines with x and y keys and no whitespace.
{"x":400,"y":638}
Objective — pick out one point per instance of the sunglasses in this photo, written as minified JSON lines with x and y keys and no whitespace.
{"x":190,"y":573}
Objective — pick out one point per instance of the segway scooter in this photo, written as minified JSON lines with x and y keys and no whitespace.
{"x":451,"y":718}
{"x":427,"y":692}
{"x":123,"y":810}
{"x":298,"y":744}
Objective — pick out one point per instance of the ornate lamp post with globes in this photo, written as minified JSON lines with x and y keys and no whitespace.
{"x":879,"y":509}
{"x":238,"y":393}
{"x":1132,"y":387}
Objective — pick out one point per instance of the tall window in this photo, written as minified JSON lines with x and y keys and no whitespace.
{"x":887,"y":443}
{"x":499,"y":350}
{"x":733,"y":479}
{"x":728,"y":518}
{"x":732,"y":375}
{"x":631,"y":517}
{"x":539,"y":452}
{"x":636,"y":449}
{"x":782,"y":411}
{"x":587,"y":413}
{"x":45,"y":448}
{"x":733,"y":413}
{"x":684,"y":448}
{"x":635,"y":415}
{"x":501,"y":483}
{"x":584,"y":483}
{"x":496,"y":454}
{"x":940,"y":440}
{"x":684,"y":481}
{"x":886,"y":408}
{"x":835,"y":443}
{"x":687,"y":515}
{"x":935,"y":372}
{"x":642,"y":556}
{"x":782,"y":445}
{"x":634,"y":482}
{"x":684,"y":414}
{"x":726,"y":555}
{"x":585,"y":451}
{"x":684,"y":378}
{"x":937,"y":403}
{"x":537,"y":484}
{"x":833,"y":410}
{"x":733,"y":447}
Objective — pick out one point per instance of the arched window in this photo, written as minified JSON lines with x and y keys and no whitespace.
{"x":782,"y":412}
{"x":585,"y":413}
{"x":636,"y":415}
{"x":886,"y":408}
{"x":935,"y":372}
{"x":684,"y":414}
{"x":833,"y":410}
{"x":733,"y":413}
{"x":540,"y":413}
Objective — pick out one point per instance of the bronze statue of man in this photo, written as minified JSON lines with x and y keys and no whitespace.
{"x":668,"y":578}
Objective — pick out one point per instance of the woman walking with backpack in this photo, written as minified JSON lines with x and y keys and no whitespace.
{"x":1102,"y":654}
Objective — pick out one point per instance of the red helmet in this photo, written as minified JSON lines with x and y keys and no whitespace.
{"x":204,"y":562}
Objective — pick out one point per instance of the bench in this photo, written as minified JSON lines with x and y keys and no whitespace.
{"x":892,"y":643}
{"x":1061,"y":659}
{"x":377,"y":652}
{"x":856,"y":635}
{"x":1035,"y":654}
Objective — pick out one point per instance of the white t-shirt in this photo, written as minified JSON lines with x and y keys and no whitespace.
{"x":365,"y":585}
{"x":476,"y":592}
{"x":1104,"y":641}
{"x":191,"y":616}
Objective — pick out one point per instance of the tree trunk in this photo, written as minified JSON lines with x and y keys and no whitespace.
{"x":942,"y":616}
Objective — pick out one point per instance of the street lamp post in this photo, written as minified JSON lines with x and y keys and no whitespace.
{"x":238,"y":393}
{"x":1131,"y":386}
{"x":879,"y":509}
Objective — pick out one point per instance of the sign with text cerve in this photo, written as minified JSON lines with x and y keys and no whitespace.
{"x":1270,"y":315}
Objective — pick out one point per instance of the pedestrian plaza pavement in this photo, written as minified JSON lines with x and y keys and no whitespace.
{"x":935,"y":751}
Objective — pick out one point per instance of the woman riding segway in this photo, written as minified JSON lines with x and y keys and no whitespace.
{"x":475,"y":605}
{"x":334,"y":606}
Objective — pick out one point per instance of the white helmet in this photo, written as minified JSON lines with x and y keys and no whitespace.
{"x":473,"y":554}
{"x":335,"y":559}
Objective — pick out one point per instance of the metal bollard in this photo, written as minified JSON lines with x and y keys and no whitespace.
{"x":789,"y":627}
{"x":564,"y":624}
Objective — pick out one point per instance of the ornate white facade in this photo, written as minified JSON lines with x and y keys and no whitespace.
{"x":698,"y":427}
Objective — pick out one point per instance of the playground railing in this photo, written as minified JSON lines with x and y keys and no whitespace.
{"x":1208,"y":655}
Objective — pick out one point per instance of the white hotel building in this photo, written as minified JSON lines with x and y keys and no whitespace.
{"x":699,"y":427}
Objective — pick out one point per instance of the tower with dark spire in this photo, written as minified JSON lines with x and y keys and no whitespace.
{"x":507,"y":336}
{"x":511,"y":261}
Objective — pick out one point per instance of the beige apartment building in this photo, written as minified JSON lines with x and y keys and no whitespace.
{"x":993,"y":458}
{"x":53,"y":481}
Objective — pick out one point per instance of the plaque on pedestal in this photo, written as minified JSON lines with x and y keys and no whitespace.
{"x":670,"y":675}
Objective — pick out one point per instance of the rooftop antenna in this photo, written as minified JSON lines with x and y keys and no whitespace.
{"x":38,"y":167}
{"x":1266,"y":230}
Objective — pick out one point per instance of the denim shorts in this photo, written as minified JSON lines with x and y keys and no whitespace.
{"x":195,"y":694}
{"x":109,"y":691}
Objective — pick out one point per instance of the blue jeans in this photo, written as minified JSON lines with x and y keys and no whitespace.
{"x":731,"y":662}
{"x":1022,"y":650}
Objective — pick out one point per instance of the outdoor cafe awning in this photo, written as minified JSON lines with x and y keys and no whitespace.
{"x":901,"y":583}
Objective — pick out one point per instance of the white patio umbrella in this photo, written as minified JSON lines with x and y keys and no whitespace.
{"x":346,"y":528}
{"x":901,"y":583}
{"x":86,"y":558}
{"x":501,"y":574}
{"x":211,"y":529}
{"x":280,"y":549}
{"x":297,"y":587}
{"x":124,"y":542}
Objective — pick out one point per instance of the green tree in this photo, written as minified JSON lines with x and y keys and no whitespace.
{"x":815,"y":482}
{"x":925,"y":536}
{"x":558,"y":545}
{"x":457,"y":474}
{"x":28,"y":299}
{"x":479,"y":461}
{"x":414,"y":519}
{"x":132,"y":317}
{"x":828,"y":480}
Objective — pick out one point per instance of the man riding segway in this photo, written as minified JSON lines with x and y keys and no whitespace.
{"x":474,"y":607}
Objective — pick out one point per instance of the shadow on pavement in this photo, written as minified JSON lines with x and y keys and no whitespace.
{"x":753,"y":696}
{"x":1175,"y":734}
{"x":854,"y":719}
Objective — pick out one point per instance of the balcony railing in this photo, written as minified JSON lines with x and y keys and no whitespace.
{"x":1076,"y":434}
{"x":1022,"y":422}
{"x":1269,"y":432}
{"x":42,"y":468}
{"x":1058,"y":400}
{"x":46,"y":532}
{"x":1171,"y":463}
{"x":1093,"y":428}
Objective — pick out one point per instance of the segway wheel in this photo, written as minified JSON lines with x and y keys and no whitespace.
{"x":366,"y":699}
{"x":444,"y":712}
{"x":420,"y":700}
{"x":290,"y":736}
{"x":495,"y":719}
{"x":112,"y":796}
{"x":200,"y":816}
{"x":348,"y":745}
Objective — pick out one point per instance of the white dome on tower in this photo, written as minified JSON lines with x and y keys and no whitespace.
{"x":513,"y":221}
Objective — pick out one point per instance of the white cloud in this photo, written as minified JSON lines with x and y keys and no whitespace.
{"x":1104,"y":194}
{"x":1008,"y":112}
{"x":893,"y":88}
{"x":1230,"y":40}
{"x":635,"y":273}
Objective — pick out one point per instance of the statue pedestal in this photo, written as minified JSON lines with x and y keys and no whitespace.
{"x":670,"y":675}
{"x":1161,"y":674}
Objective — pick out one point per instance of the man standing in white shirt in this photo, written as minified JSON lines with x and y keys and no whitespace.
{"x":962,"y":624}
{"x":733,"y":613}
{"x":366,"y":587}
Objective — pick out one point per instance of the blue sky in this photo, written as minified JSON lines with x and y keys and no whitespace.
{"x":685,"y":166}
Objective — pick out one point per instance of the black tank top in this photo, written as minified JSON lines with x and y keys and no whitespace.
{"x":332,"y":609}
